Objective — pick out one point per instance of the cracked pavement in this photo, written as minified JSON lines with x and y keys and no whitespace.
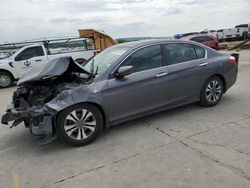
{"x":188,"y":146}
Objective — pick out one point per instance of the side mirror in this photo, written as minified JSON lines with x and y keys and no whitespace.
{"x":124,"y":71}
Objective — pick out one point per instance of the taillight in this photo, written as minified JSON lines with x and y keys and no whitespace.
{"x":233,"y":60}
{"x":238,"y":30}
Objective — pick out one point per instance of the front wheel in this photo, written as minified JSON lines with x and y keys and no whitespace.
{"x":211,"y":92}
{"x":80,"y":124}
{"x":6,"y":79}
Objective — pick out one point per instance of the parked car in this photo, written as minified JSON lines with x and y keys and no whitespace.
{"x":14,"y":67}
{"x":179,"y":36}
{"x":4,"y":55}
{"x":220,"y":35}
{"x":239,"y":32}
{"x":207,"y":40}
{"x":209,"y":32}
{"x":121,"y":83}
{"x":214,"y":33}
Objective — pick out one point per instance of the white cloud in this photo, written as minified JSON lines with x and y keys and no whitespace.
{"x":27,"y":19}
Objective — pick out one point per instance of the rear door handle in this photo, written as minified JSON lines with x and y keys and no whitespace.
{"x":161,"y":74}
{"x":203,"y":64}
{"x":38,"y":60}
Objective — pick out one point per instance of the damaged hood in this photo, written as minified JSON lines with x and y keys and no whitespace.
{"x":53,"y":68}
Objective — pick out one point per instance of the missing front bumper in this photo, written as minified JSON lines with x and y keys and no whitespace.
{"x":16,"y":115}
{"x":39,"y":120}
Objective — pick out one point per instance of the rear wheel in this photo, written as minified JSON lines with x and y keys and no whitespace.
{"x":6,"y":79}
{"x":80,"y":124}
{"x":211,"y":92}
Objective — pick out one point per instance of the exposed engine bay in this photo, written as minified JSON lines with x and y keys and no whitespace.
{"x":39,"y":93}
{"x":36,"y":89}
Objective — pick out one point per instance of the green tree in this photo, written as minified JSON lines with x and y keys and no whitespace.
{"x":119,"y":41}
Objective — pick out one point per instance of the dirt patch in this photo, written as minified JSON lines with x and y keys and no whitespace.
{"x":236,"y":45}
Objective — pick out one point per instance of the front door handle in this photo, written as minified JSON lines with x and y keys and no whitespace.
{"x":203,"y":64}
{"x":161,"y":74}
{"x":38,"y":60}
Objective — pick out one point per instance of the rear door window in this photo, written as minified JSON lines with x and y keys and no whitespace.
{"x":200,"y":52}
{"x":145,"y":59}
{"x":178,"y":53}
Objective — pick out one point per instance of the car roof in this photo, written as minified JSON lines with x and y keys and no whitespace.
{"x":139,"y":43}
{"x":197,"y":35}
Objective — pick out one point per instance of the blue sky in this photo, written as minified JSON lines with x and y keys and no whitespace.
{"x":29,"y":19}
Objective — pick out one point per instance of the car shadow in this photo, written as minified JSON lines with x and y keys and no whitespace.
{"x":24,"y":140}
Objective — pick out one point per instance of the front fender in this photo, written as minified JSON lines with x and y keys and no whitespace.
{"x":74,"y":96}
{"x":5,"y":65}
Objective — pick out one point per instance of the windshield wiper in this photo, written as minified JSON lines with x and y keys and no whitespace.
{"x":93,"y":71}
{"x":92,"y":68}
{"x":96,"y":70}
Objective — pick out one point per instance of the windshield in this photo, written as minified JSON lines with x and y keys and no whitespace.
{"x":101,"y":62}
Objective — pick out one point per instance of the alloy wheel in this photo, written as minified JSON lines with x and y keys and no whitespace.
{"x":79,"y":124}
{"x":213,"y":91}
{"x":5,"y":80}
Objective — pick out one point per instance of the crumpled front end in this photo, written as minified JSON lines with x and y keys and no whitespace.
{"x":38,"y":118}
{"x":36,"y":89}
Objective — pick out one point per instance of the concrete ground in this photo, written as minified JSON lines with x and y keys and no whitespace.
{"x":188,"y":146}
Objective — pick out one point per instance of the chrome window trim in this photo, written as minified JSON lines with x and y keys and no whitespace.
{"x":189,"y":60}
{"x":160,"y":43}
{"x":127,"y":56}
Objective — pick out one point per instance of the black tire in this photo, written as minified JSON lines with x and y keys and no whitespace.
{"x":62,"y":122}
{"x":6,"y":79}
{"x":213,"y":97}
{"x":80,"y":61}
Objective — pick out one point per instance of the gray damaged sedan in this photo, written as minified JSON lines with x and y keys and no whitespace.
{"x":123,"y":82}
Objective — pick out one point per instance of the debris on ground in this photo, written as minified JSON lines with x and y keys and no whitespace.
{"x":237,"y":45}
